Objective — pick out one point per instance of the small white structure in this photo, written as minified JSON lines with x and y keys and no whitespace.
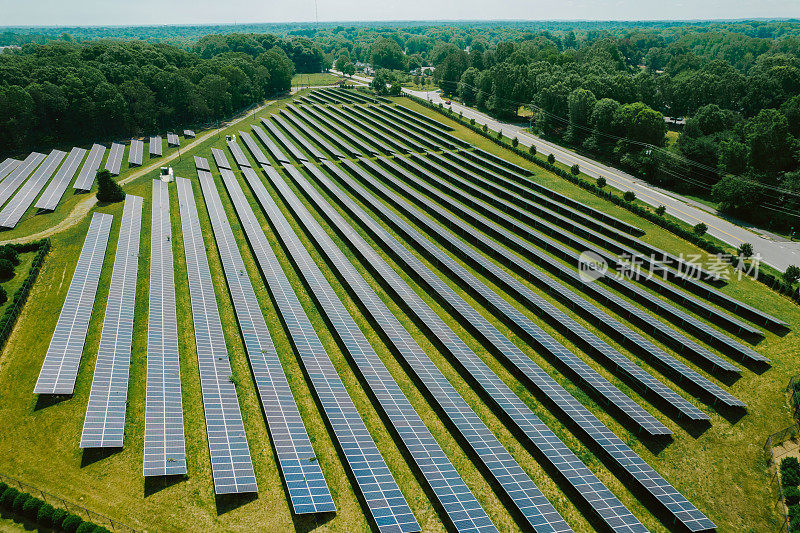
{"x":166,"y":174}
{"x":230,"y":138}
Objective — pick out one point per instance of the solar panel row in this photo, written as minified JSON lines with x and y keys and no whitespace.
{"x":8,"y":166}
{"x":104,"y":426}
{"x":49,"y":199}
{"x":423,"y":141}
{"x":114,"y":161}
{"x":220,"y":158}
{"x":302,"y":141}
{"x":227,"y":443}
{"x":362,"y":147}
{"x":17,"y":177}
{"x":377,"y":132}
{"x":238,"y":154}
{"x":380,"y":491}
{"x":13,"y":211}
{"x":440,"y":132}
{"x":60,"y":366}
{"x":189,"y":134}
{"x":173,"y":140}
{"x":547,"y":445}
{"x":255,"y":151}
{"x":318,"y":130}
{"x":305,"y":482}
{"x":405,"y":141}
{"x":136,"y":153}
{"x":164,"y":442}
{"x":516,"y":484}
{"x":403,"y":124}
{"x":646,"y":480}
{"x":286,"y":143}
{"x":202,"y":163}
{"x":422,"y":119}
{"x":156,"y":146}
{"x":316,"y":137}
{"x":347,"y":123}
{"x":88,"y":171}
{"x":610,"y":326}
{"x":273,"y":148}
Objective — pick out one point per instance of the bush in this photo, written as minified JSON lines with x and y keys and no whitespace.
{"x":551,"y":159}
{"x":575,"y":170}
{"x":108,"y":190}
{"x":71,"y":523}
{"x":6,"y":269}
{"x":472,"y":122}
{"x":794,"y":518}
{"x":500,"y":135}
{"x":3,"y":487}
{"x":9,"y":252}
{"x":660,"y":210}
{"x":31,"y":507}
{"x":532,"y":149}
{"x":790,"y":472}
{"x":514,"y":142}
{"x":44,"y":517}
{"x":58,"y":517}
{"x":86,"y":527}
{"x":792,"y":274}
{"x":745,"y":250}
{"x":700,"y":229}
{"x":629,"y":196}
{"x":485,"y":128}
{"x":601,"y":182}
{"x":7,"y":498}
{"x":19,"y":502}
{"x":791,"y":495}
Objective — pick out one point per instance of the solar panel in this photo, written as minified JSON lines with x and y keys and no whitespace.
{"x":255,"y":151}
{"x":88,"y":171}
{"x":273,"y":148}
{"x":227,"y":443}
{"x":13,"y":211}
{"x":380,"y":491}
{"x":549,"y":447}
{"x":318,"y":130}
{"x":286,"y":143}
{"x":104,"y":426}
{"x":114,"y":161}
{"x":402,"y":124}
{"x":8,"y":166}
{"x":238,"y":154}
{"x":18,"y":176}
{"x":302,"y":141}
{"x":439,"y":132}
{"x":417,"y":142}
{"x":202,"y":163}
{"x":220,"y":158}
{"x":313,"y":135}
{"x":189,"y":134}
{"x":305,"y":482}
{"x":164,"y":444}
{"x":347,"y":123}
{"x":361,"y":146}
{"x":156,"y":146}
{"x":526,"y":496}
{"x":49,"y":199}
{"x":172,"y":139}
{"x":500,"y":253}
{"x":378,"y":131}
{"x":422,"y":119}
{"x":60,"y":366}
{"x":616,"y":451}
{"x":136,"y":153}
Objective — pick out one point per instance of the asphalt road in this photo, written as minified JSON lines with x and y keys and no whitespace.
{"x":774,"y":250}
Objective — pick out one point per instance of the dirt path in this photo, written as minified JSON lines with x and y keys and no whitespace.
{"x":84,"y":206}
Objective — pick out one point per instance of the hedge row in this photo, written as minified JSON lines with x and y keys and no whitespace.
{"x":790,"y":479}
{"x":773,"y":282}
{"x":44,"y":514}
{"x":9,"y":317}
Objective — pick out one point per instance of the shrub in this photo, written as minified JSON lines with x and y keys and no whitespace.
{"x":790,"y":472}
{"x":601,"y":182}
{"x":575,"y":170}
{"x":791,"y":495}
{"x":745,"y":249}
{"x":44,"y":517}
{"x":700,"y":229}
{"x":514,"y":142}
{"x":794,"y":518}
{"x":792,"y":274}
{"x":71,"y":523}
{"x":86,"y":527}
{"x":472,"y":122}
{"x":551,"y":159}
{"x":660,"y":210}
{"x":500,"y":135}
{"x":9,"y":252}
{"x":19,"y":502}
{"x":6,"y":269}
{"x":31,"y":507}
{"x":7,"y":498}
{"x":58,"y":517}
{"x":485,"y":128}
{"x":101,"y":529}
{"x":629,"y":196}
{"x":532,"y":149}
{"x":108,"y":190}
{"x":3,"y":487}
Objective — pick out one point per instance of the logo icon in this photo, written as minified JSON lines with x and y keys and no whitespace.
{"x":591,"y":266}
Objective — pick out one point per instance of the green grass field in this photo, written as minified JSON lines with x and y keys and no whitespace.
{"x":316,"y":78}
{"x":722,"y":470}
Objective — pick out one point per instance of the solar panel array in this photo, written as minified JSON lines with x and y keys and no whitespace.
{"x":313,"y":135}
{"x":53,"y":193}
{"x":156,"y":146}
{"x":341,"y":132}
{"x":88,"y":171}
{"x":173,"y":140}
{"x":555,"y":453}
{"x":18,"y":176}
{"x":305,"y":481}
{"x":220,"y":158}
{"x":318,"y":130}
{"x":286,"y":143}
{"x":302,"y":141}
{"x":7,"y":166}
{"x":422,"y":119}
{"x":104,"y":426}
{"x":377,"y":132}
{"x":13,"y":211}
{"x":645,"y":478}
{"x":231,"y":464}
{"x":136,"y":153}
{"x":201,"y":163}
{"x":383,"y":497}
{"x":500,"y":253}
{"x":114,"y":161}
{"x":238,"y":154}
{"x":189,"y":134}
{"x":273,"y":148}
{"x":164,"y":443}
{"x":255,"y":151}
{"x":519,"y":488}
{"x":417,"y":143}
{"x":60,"y":366}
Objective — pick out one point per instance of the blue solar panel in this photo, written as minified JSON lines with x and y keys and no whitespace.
{"x":272,"y":148}
{"x":164,"y":442}
{"x":227,"y":443}
{"x":16,"y":208}
{"x":88,"y":171}
{"x":645,"y":478}
{"x":60,"y":367}
{"x":104,"y":426}
{"x":321,"y":131}
{"x":305,"y":482}
{"x":383,"y":497}
{"x":53,"y":193}
{"x":18,"y":176}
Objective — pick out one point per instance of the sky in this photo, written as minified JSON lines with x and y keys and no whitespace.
{"x":127,"y":12}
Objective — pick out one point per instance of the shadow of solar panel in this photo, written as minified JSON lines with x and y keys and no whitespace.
{"x":227,"y":443}
{"x":305,"y":481}
{"x":88,"y":171}
{"x":60,"y":367}
{"x":164,"y":443}
{"x":104,"y":426}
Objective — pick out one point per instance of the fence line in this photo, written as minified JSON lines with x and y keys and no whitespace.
{"x":777,"y":438}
